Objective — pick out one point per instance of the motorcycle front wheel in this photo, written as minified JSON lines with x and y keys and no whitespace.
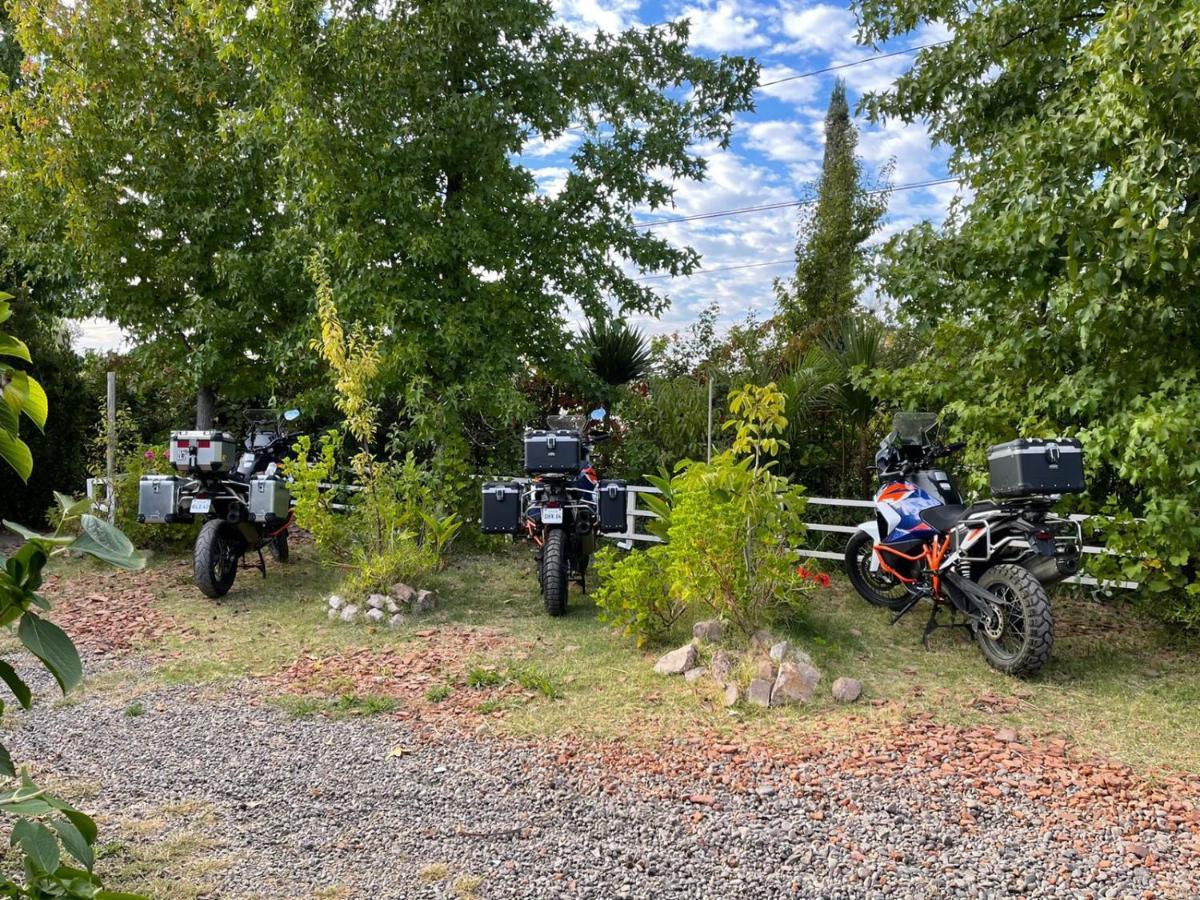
{"x":216,"y":557}
{"x":554,"y":572}
{"x":1018,"y":640}
{"x":878,"y":588}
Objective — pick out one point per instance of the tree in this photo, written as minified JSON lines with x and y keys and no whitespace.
{"x":402,"y":127}
{"x":830,"y":256}
{"x":1063,"y":296}
{"x":118,"y":170}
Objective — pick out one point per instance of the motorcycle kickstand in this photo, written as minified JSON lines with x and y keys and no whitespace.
{"x":262,"y":563}
{"x":931,"y":626}
{"x":901,"y":613}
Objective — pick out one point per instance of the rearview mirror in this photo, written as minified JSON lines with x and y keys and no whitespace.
{"x":599,"y":414}
{"x":291,"y":415}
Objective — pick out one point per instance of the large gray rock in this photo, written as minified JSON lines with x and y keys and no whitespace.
{"x":710,"y":631}
{"x":722,"y":668}
{"x":677,"y":661}
{"x":779,"y":651}
{"x":397,"y":620}
{"x":403,"y":593}
{"x":795,"y":683}
{"x":377,"y":601}
{"x":847,"y":690}
{"x":764,"y":669}
{"x":759,"y":692}
{"x":691,"y":676}
{"x":424,"y":602}
{"x":732,"y":694}
{"x":336,"y":602}
{"x":349,"y":613}
{"x":376,"y":615}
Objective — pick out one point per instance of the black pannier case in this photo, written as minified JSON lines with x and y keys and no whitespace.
{"x":610,"y":496}
{"x":1022,"y":468}
{"x":501,"y":507}
{"x":552,"y":452}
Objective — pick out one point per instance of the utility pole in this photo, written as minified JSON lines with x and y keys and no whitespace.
{"x":110,"y":492}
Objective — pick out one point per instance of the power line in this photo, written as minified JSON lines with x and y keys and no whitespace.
{"x":857,"y":62}
{"x":716,"y":214}
{"x":757,"y":265}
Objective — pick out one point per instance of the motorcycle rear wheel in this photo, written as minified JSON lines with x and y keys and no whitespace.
{"x":554,"y":572}
{"x":216,"y":557}
{"x":1020,"y":642}
{"x":877,"y":588}
{"x":278,"y":546}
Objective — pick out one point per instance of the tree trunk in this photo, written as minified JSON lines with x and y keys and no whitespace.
{"x":206,"y":404}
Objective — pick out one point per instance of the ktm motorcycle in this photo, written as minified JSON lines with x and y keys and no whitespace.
{"x":987,"y":563}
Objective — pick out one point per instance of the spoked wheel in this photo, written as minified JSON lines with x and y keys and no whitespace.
{"x":878,"y":588}
{"x":1017,"y":639}
{"x":554,"y":572}
{"x":278,"y":546}
{"x":217,"y":555}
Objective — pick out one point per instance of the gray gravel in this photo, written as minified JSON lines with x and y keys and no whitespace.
{"x":301,"y":805}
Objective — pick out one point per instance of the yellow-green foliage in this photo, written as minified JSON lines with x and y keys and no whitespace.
{"x":729,"y":525}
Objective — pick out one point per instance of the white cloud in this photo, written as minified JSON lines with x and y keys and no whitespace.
{"x":589,"y":16}
{"x":798,"y":91}
{"x":722,"y":27}
{"x":550,"y":179}
{"x":538,"y":146}
{"x":791,"y":142}
{"x":819,"y":27}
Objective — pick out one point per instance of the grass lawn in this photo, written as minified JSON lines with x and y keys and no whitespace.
{"x":1117,"y":685}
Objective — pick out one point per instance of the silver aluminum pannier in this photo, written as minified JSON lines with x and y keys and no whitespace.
{"x":204,"y":451}
{"x":159,"y":499}
{"x":269,"y":499}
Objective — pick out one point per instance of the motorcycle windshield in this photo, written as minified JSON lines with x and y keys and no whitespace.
{"x":914,"y":427}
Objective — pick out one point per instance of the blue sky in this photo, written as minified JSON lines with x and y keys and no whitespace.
{"x":775,"y":153}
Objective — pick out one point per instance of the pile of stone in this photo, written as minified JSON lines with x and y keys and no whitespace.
{"x":396,"y":606}
{"x":772,"y":672}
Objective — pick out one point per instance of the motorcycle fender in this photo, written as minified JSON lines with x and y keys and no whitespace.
{"x":871,"y":529}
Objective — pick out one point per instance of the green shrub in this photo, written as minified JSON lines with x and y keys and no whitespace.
{"x":729,"y":526}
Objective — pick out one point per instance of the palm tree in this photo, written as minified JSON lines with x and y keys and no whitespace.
{"x":616,"y":353}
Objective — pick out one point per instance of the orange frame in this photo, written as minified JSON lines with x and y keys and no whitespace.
{"x":933,"y":553}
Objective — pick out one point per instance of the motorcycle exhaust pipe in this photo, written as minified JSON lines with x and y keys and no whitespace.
{"x":1053,"y":569}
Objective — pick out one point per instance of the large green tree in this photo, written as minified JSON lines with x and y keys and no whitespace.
{"x":118,"y":172}
{"x":1063,"y":295}
{"x":402,"y":128}
{"x":830,"y":252}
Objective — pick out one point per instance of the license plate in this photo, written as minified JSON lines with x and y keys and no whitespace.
{"x":552,"y":516}
{"x":201,"y":505}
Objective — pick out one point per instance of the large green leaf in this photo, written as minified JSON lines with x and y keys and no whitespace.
{"x":70,"y":507}
{"x":11,"y":346}
{"x":19,"y":688}
{"x":30,"y":535}
{"x":15,"y":452}
{"x":75,"y":842}
{"x":50,"y":644}
{"x":6,"y":762}
{"x":106,"y":543}
{"x":37,"y":843}
{"x":37,"y":405}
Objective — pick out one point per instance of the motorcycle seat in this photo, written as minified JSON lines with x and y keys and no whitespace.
{"x":944,"y":518}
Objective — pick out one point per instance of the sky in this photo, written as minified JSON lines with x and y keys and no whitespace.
{"x":775,"y":154}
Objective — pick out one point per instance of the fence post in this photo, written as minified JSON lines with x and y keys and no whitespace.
{"x":708,"y":456}
{"x":111,"y":460}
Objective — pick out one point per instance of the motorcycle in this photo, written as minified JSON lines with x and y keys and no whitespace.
{"x":245,"y":505}
{"x":988,"y":562}
{"x":563,"y":507}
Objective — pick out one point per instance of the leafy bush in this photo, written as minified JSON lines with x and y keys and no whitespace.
{"x":393,"y":526}
{"x":729,"y":527}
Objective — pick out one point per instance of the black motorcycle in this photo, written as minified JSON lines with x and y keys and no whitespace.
{"x":563,"y":507}
{"x":988,"y":562}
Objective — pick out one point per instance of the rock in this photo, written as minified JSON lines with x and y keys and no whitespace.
{"x":764,"y":669}
{"x":722,"y":668}
{"x":336,"y":602}
{"x":391,"y":606}
{"x":333,"y":613}
{"x":691,"y":676}
{"x":710,"y":631}
{"x":403,"y":593}
{"x":779,"y":651}
{"x":796,"y":683}
{"x":397,"y":621}
{"x":677,"y":661}
{"x":377,"y":601}
{"x":1006,"y":736}
{"x":376,"y":615}
{"x":732,"y":694}
{"x":759,"y":692}
{"x":762,"y":640}
{"x":847,"y":690}
{"x":800,"y":657}
{"x":349,"y":613}
{"x":424,"y":602}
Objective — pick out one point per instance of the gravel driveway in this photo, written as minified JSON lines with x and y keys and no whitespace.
{"x":303,"y":807}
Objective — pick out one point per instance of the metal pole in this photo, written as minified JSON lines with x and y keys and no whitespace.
{"x":110,"y":492}
{"x":708,"y":458}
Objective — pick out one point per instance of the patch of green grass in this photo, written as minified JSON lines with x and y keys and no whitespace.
{"x":534,"y":679}
{"x":483,"y":676}
{"x":135,"y":709}
{"x":343,"y":707}
{"x":439,"y":692}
